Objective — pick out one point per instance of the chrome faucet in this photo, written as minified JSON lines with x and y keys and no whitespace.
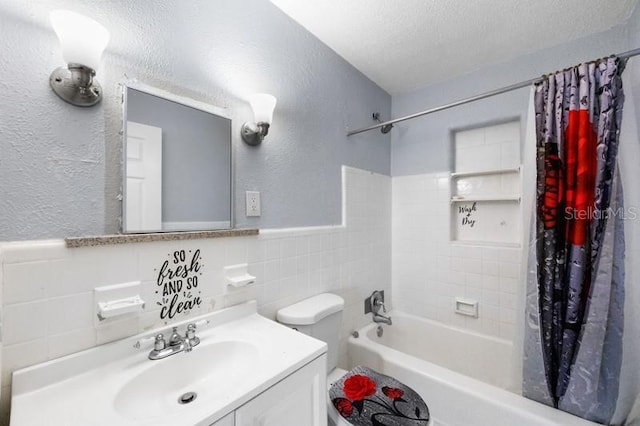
{"x":382,"y":318}
{"x":377,"y":316}
{"x":177,"y":343}
{"x":176,"y":340}
{"x":376,"y":302}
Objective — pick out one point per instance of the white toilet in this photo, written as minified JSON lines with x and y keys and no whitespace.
{"x":320,"y":317}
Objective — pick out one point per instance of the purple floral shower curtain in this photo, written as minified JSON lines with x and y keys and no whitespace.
{"x":575,"y":283}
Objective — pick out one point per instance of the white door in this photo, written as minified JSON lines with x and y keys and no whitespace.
{"x":297,"y":400}
{"x":143,"y":205}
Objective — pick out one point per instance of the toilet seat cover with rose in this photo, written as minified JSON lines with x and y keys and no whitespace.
{"x":365,"y":397}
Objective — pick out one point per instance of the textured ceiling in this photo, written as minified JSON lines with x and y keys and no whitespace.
{"x":402,"y":45}
{"x":408,"y":44}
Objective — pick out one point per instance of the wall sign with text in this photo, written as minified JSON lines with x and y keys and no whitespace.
{"x":465,"y":212}
{"x":178,"y":283}
{"x":486,"y":221}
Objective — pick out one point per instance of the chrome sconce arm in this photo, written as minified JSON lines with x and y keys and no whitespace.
{"x":75,"y":85}
{"x":253,"y":133}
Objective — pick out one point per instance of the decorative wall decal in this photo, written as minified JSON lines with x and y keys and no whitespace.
{"x":466,"y":211}
{"x":177,"y":283}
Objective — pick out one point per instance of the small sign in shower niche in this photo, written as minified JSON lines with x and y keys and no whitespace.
{"x":489,"y":221}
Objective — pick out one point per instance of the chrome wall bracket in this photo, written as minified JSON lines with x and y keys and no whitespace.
{"x":75,"y":85}
{"x":254,"y":133}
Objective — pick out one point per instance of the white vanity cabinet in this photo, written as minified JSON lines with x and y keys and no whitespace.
{"x":228,"y":420}
{"x":298,"y":399}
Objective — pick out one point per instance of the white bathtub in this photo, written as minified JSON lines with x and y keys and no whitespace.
{"x":457,"y":373}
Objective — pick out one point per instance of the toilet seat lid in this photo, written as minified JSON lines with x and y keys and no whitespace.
{"x":335,"y":417}
{"x":333,"y":376}
{"x":365,"y":397}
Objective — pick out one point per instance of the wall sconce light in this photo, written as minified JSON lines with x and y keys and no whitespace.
{"x":83,"y":40}
{"x":262,"y":105}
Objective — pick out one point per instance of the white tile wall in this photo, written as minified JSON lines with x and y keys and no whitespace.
{"x":487,"y":148}
{"x":47,"y":300}
{"x":430,"y":271}
{"x":47,"y":289}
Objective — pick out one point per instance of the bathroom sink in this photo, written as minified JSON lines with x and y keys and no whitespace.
{"x":240,"y":355}
{"x":205,"y":373}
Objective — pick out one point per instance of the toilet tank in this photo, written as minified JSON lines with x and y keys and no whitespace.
{"x":319,"y":317}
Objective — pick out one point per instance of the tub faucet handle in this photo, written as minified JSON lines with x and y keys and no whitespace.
{"x":377,"y":302}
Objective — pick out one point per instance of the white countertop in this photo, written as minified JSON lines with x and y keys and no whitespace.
{"x":95,"y":386}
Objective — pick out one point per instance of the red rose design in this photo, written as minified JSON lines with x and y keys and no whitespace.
{"x":393,"y":393}
{"x":344,"y":406}
{"x":358,"y":387}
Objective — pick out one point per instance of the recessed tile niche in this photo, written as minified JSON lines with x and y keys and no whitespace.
{"x":486,"y":185}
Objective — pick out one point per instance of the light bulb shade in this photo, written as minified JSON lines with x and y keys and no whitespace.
{"x":263,"y":105}
{"x":82,"y":39}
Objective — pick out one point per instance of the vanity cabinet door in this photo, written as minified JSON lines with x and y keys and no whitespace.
{"x":228,"y":420}
{"x":299,"y":399}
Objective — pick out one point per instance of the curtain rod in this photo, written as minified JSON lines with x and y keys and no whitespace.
{"x":522,"y":84}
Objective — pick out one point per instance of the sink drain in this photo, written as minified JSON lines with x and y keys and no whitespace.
{"x":187,"y":397}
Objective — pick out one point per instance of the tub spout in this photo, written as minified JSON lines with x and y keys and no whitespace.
{"x":381,"y":318}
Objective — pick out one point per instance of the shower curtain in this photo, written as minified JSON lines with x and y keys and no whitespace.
{"x":575,"y":275}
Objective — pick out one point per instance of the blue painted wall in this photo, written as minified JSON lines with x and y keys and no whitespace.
{"x":422,"y":145}
{"x":60,"y":166}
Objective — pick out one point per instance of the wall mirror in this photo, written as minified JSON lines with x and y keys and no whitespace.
{"x":177,"y":163}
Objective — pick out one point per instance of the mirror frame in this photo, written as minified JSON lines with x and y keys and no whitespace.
{"x":188,"y":102}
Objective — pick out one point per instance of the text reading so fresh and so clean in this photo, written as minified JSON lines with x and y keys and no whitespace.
{"x":177,"y":283}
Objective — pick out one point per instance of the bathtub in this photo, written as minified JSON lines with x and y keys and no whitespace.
{"x":460,"y":374}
